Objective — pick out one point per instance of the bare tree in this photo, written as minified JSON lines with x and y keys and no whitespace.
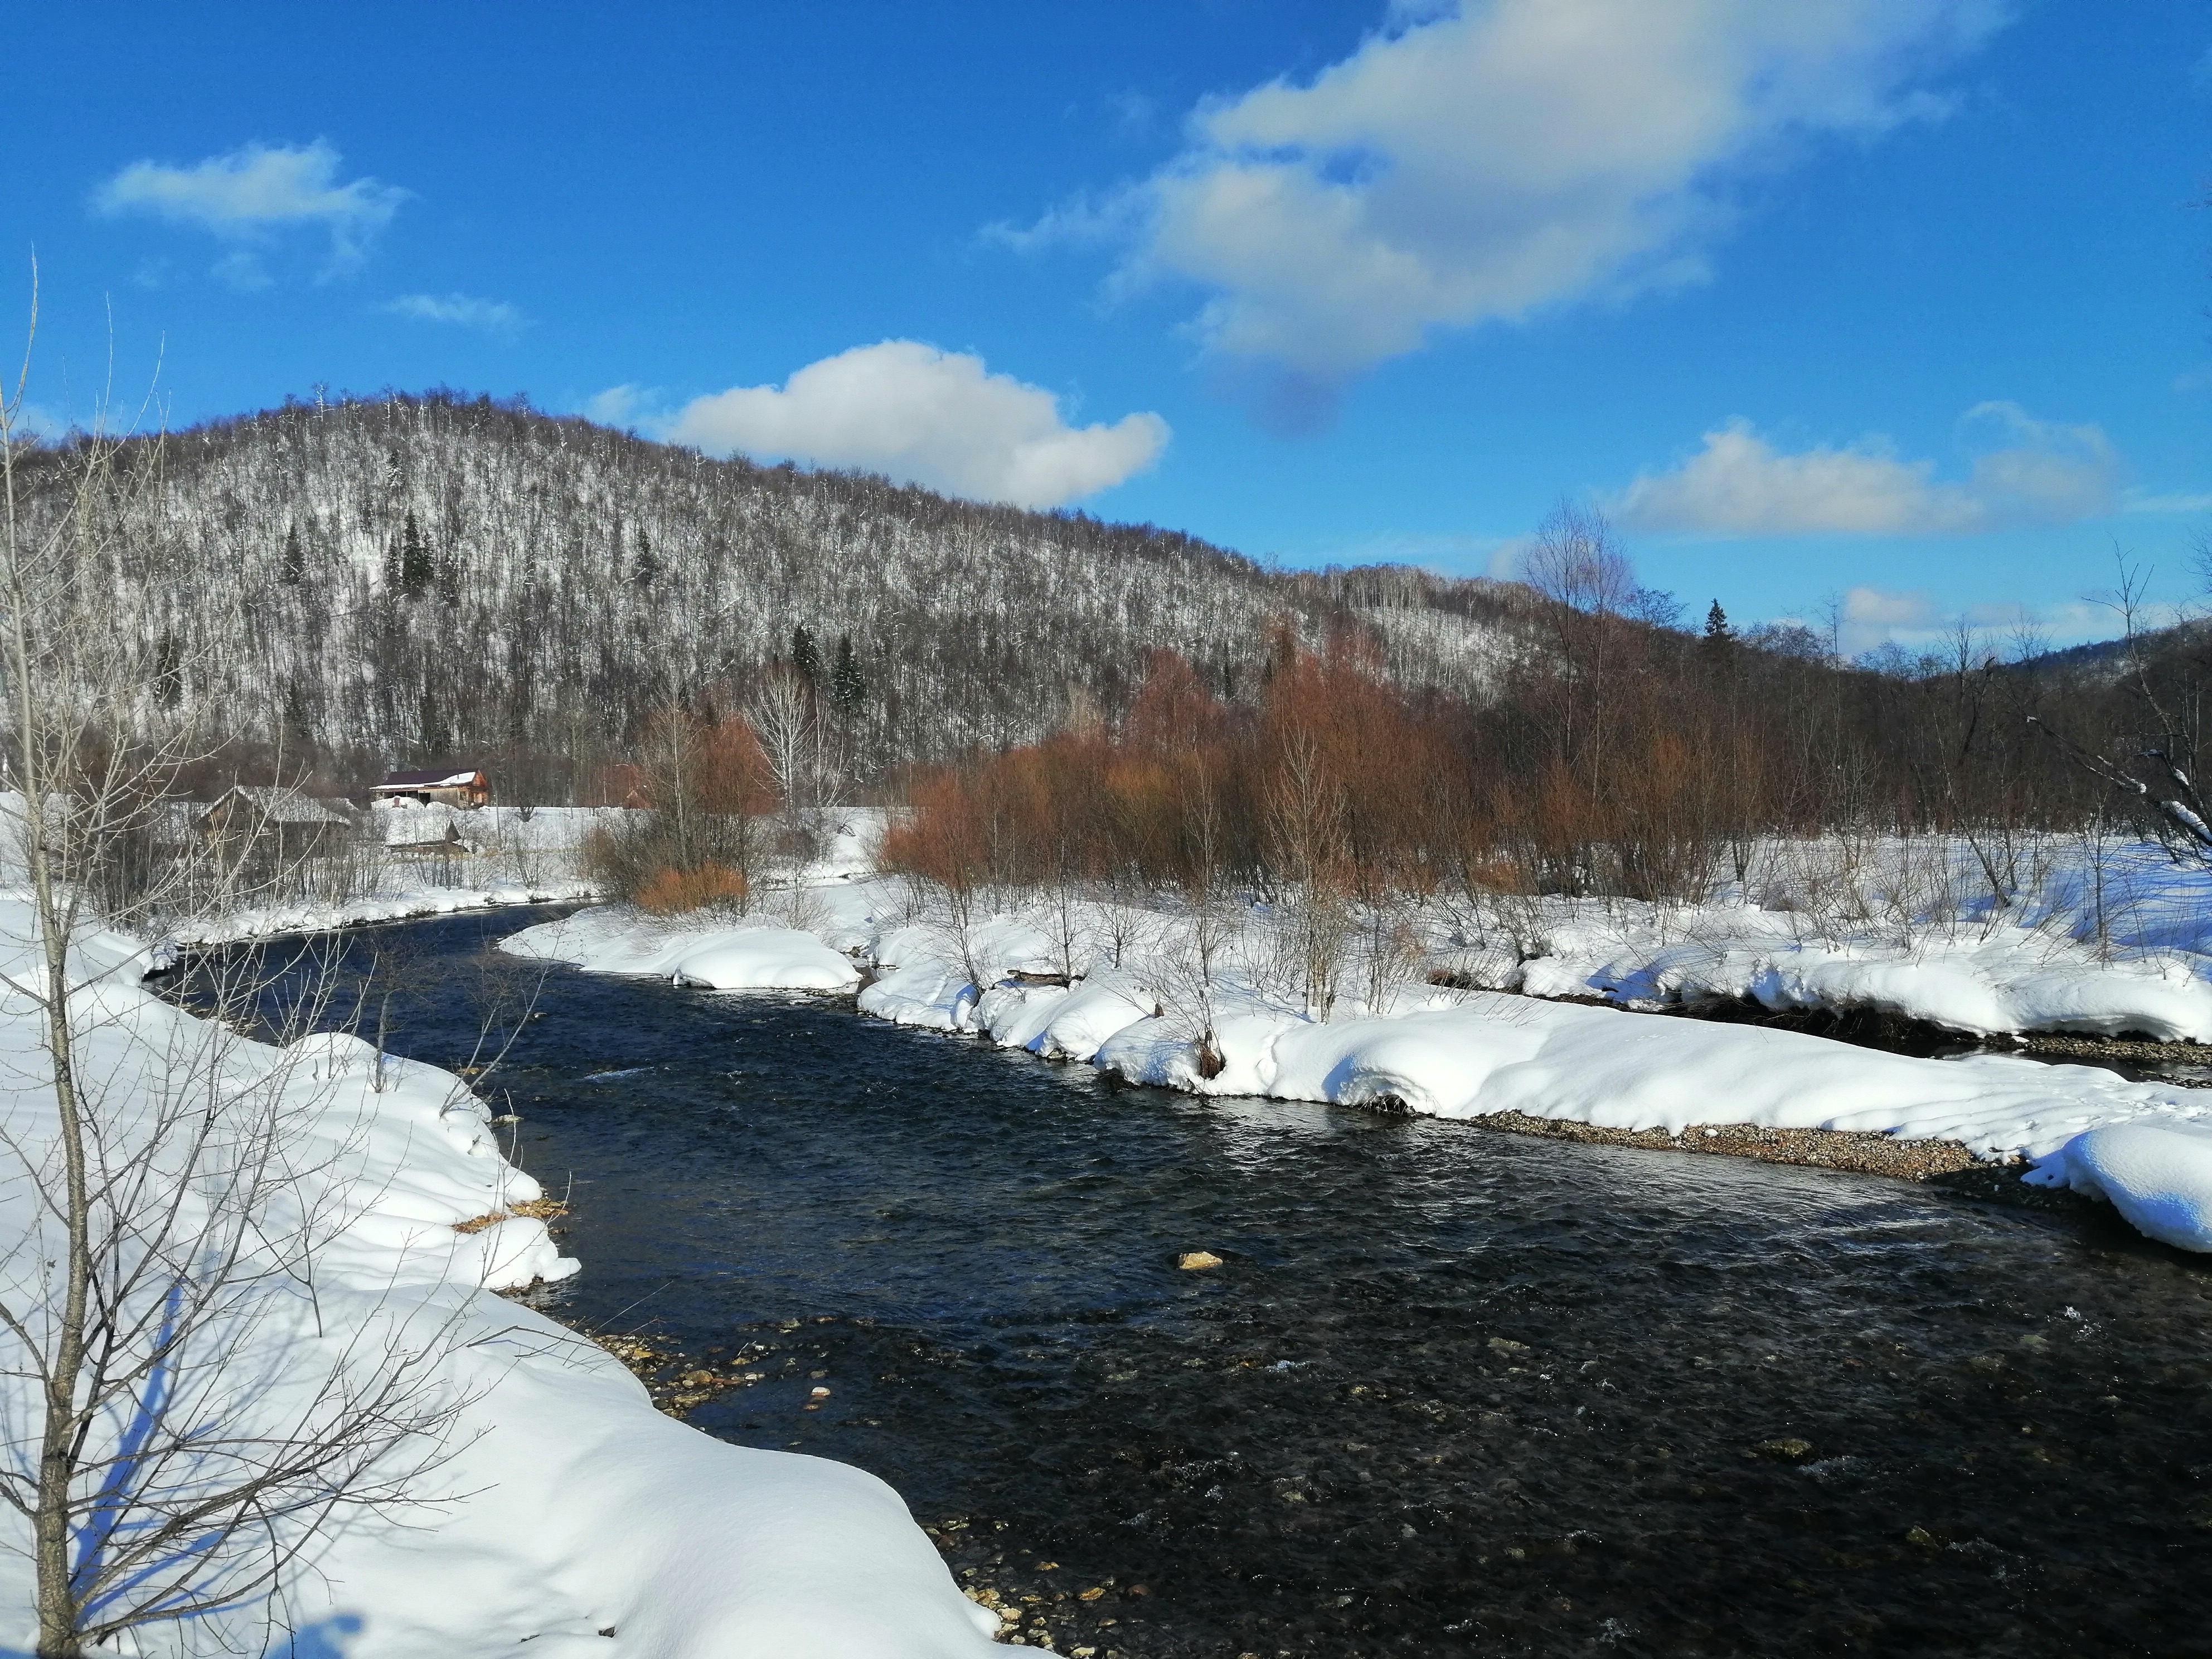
{"x":783,"y":714}
{"x":174,"y":1191}
{"x":1307,"y":812}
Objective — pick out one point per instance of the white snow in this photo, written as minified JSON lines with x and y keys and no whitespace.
{"x":571,"y":1507}
{"x":406,"y":823}
{"x":2159,"y":1175}
{"x":744,"y":956}
{"x":323,"y":916}
{"x":2105,"y":939}
{"x":451,"y":780}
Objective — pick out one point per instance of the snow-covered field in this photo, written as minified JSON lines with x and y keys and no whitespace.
{"x":1227,"y":1009}
{"x":2110,"y":940}
{"x":432,"y":861}
{"x":439,"y":861}
{"x":570,"y":1515}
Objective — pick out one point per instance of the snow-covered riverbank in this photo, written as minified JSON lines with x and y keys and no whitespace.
{"x":566,"y":1512}
{"x":1140,"y":1002}
{"x":401,"y":904}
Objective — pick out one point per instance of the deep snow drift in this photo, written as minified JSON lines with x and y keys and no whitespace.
{"x":1139,"y":1004}
{"x":571,"y":1511}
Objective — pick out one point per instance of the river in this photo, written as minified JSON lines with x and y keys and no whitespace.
{"x":1449,"y":1392}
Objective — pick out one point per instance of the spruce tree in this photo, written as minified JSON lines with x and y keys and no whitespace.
{"x":848,"y":687}
{"x":805,"y":656}
{"x":642,"y":565}
{"x":292,"y":565}
{"x":1718,"y":634}
{"x":416,"y":571}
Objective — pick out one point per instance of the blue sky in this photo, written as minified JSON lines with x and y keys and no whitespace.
{"x":1895,"y":304}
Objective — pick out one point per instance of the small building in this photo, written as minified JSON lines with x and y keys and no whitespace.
{"x":464,"y":786}
{"x":279,"y":822}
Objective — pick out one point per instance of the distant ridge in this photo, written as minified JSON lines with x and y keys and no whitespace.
{"x":404,"y":579}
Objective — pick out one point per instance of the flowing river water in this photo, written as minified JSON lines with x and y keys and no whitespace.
{"x":1449,"y":1392}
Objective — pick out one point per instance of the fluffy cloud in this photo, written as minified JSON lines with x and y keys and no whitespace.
{"x":492,"y":316}
{"x":1480,"y":161}
{"x":256,"y":189}
{"x":2026,"y":472}
{"x":1869,"y":619}
{"x":927,"y":416}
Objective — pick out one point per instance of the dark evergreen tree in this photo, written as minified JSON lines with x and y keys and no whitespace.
{"x":292,"y":566}
{"x":848,"y":687}
{"x":805,"y":656}
{"x":643,"y":568}
{"x":1718,"y":634}
{"x":416,"y":571}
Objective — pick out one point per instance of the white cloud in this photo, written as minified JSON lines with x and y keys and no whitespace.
{"x":2174,"y":501}
{"x":1868,"y":618}
{"x":926,"y":417}
{"x":1480,"y":161}
{"x":618,"y":405}
{"x":2027,"y":472}
{"x":255,"y":189}
{"x":492,"y":316}
{"x":36,"y":421}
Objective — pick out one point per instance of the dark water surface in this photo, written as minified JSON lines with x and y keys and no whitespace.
{"x":1451,"y":1392}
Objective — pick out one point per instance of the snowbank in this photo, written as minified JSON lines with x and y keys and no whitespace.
{"x":744,"y":956}
{"x":1983,"y":979}
{"x":310,"y":916}
{"x":571,"y":1511}
{"x":2159,"y":1175}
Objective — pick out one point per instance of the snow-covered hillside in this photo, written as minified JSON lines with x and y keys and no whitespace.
{"x":386,"y":576}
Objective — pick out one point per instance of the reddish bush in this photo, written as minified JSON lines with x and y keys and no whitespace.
{"x":669,"y":892}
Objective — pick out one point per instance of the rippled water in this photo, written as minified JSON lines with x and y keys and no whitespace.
{"x":1450,"y":1392}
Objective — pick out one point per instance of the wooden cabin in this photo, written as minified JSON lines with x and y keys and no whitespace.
{"x":464,"y":786}
{"x":282,"y":823}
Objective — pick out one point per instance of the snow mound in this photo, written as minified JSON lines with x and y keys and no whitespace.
{"x":2158,"y":1175}
{"x":766,"y":958}
{"x":747,"y":957}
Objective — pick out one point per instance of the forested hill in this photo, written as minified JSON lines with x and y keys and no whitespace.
{"x":412,"y":579}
